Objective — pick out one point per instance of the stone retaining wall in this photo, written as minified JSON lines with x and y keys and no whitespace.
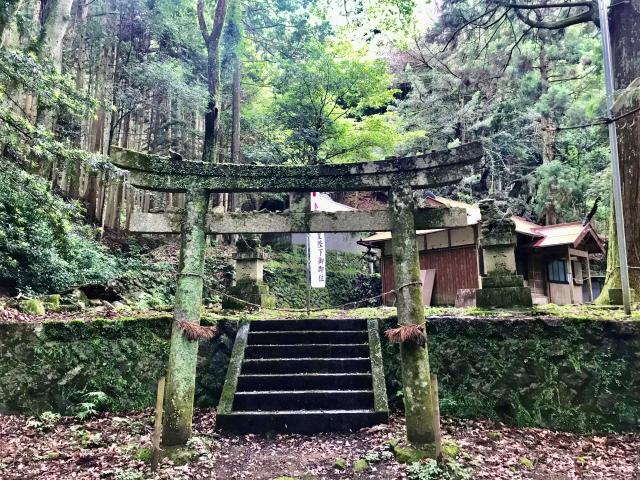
{"x":51,"y":366}
{"x":575,"y":375}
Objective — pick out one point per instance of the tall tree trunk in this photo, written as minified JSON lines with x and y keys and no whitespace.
{"x":55,"y":28}
{"x":8,"y":27}
{"x":547,"y":129}
{"x":624,"y":23}
{"x":212,"y":41}
{"x":235,"y":126}
{"x":81,"y":61}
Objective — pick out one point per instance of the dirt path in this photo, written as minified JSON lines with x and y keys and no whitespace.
{"x":112,"y":447}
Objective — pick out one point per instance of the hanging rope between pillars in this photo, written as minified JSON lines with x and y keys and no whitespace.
{"x":304,"y":310}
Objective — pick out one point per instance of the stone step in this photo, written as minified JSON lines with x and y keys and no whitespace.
{"x":299,"y":421}
{"x":303,"y":400}
{"x":308,"y":324}
{"x":306,"y":365}
{"x":306,"y":337}
{"x":296,"y":381}
{"x":539,"y":299}
{"x":321,"y":350}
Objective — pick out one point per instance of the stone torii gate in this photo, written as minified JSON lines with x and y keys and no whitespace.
{"x":398,"y":176}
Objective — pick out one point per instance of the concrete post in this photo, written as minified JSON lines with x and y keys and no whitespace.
{"x":181,"y":371}
{"x":416,"y":376}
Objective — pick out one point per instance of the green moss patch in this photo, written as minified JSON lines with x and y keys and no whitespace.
{"x":51,"y":366}
{"x":572,"y":375}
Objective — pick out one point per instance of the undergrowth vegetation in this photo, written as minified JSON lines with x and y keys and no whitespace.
{"x":44,"y":246}
{"x":348,"y":280}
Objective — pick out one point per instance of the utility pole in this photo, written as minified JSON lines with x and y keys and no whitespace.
{"x":615,"y":165}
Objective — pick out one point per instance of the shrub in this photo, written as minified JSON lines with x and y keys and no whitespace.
{"x":43,"y":245}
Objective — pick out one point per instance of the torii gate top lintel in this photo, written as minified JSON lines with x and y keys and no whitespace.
{"x":432,"y":169}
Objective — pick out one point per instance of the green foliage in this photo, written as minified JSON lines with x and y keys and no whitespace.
{"x":45,"y":422}
{"x":360,"y":465}
{"x":92,"y":404}
{"x":432,"y":470}
{"x":43,"y":245}
{"x":347,"y":280}
{"x":481,"y":87}
{"x":321,"y":97}
{"x":23,"y":71}
{"x":340,"y":464}
{"x":87,"y":439}
{"x":144,"y":455}
{"x":562,"y":188}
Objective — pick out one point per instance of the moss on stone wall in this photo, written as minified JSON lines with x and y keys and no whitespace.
{"x":574,"y":375}
{"x":51,"y":366}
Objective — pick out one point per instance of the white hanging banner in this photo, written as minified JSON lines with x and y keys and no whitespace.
{"x":317,"y":250}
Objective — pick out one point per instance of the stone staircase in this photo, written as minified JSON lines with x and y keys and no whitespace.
{"x":304,"y":376}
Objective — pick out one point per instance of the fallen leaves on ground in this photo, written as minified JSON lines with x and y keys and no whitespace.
{"x":111,"y":446}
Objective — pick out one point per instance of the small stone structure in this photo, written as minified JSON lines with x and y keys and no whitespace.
{"x":501,"y":286}
{"x":249,"y":282}
{"x":198,"y":180}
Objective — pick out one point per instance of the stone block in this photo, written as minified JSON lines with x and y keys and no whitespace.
{"x":499,"y":258}
{"x":253,"y":293}
{"x":615,"y":296}
{"x":497,"y":240}
{"x":249,"y":270}
{"x":501,"y":281}
{"x":504,"y":297}
{"x":466,"y":297}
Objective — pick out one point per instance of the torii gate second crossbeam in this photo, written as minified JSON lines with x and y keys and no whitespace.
{"x":397,"y":176}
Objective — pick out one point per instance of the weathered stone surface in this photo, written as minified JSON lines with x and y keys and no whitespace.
{"x":496,"y":225}
{"x":50,"y":366}
{"x":503,"y":297}
{"x":615,"y":296}
{"x":499,"y":281}
{"x":573,"y":375}
{"x":297,"y":222}
{"x":254,"y":293}
{"x":416,"y":376}
{"x":429,"y":169}
{"x":501,"y":287}
{"x":249,"y":268}
{"x":181,"y":369}
{"x":380,"y":403}
{"x":576,"y":375}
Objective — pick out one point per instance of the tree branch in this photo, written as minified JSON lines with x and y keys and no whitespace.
{"x":535,"y":6}
{"x":584,"y":17}
{"x":202,"y":22}
{"x":218,"y":23}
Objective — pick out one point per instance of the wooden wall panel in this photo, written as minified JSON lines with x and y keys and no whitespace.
{"x":455,"y":268}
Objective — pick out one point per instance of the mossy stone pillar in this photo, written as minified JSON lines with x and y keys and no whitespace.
{"x":416,"y":375}
{"x":502,"y":287}
{"x":181,"y":371}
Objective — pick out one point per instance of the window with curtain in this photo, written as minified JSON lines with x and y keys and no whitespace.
{"x":557,"y":271}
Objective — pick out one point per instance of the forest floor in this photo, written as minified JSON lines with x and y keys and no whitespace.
{"x":115,"y":447}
